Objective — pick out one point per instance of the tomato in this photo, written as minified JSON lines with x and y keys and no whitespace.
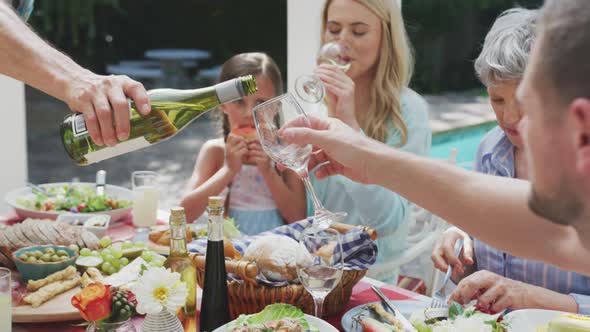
{"x":81,"y":207}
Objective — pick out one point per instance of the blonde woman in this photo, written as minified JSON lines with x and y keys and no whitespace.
{"x":373,"y":97}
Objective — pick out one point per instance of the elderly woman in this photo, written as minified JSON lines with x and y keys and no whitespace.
{"x":497,"y":279}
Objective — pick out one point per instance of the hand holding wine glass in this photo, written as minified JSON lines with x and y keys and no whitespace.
{"x":309,"y":87}
{"x":270,"y":117}
{"x":323,"y":272}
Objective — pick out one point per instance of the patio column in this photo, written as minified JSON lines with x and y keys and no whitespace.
{"x":13,"y":143}
{"x":303,"y":37}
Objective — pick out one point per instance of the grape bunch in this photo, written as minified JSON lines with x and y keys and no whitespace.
{"x":112,"y":259}
{"x":123,"y":306}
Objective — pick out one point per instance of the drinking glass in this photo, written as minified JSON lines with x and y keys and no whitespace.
{"x":145,"y":199}
{"x":323,"y":272}
{"x":269,"y":118}
{"x":5,"y":300}
{"x":309,"y":87}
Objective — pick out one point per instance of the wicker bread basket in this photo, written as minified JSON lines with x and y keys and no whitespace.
{"x":250,"y":297}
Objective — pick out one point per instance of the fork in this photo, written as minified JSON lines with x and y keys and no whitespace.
{"x":39,"y":189}
{"x":439,"y":299}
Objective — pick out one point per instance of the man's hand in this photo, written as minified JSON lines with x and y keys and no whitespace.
{"x":103,"y":101}
{"x":493,"y":292}
{"x":334,"y":142}
{"x":443,"y":252}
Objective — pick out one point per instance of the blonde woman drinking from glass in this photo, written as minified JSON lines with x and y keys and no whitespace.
{"x":372,"y":96}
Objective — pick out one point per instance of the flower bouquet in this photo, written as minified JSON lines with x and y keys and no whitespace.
{"x":106,"y":308}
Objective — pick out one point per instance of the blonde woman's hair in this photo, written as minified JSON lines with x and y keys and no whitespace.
{"x":253,"y":63}
{"x":394,"y":70}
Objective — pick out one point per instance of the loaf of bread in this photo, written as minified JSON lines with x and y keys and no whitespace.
{"x":161,"y":235}
{"x":277,"y":257}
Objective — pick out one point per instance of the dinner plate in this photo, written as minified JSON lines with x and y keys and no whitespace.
{"x":406,"y":307}
{"x":322,"y":325}
{"x":115,"y":192}
{"x":529,"y":319}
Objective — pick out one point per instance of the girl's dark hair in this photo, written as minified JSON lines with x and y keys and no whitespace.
{"x":255,"y":63}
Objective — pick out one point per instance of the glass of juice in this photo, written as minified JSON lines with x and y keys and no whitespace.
{"x":5,"y":300}
{"x":145,"y":199}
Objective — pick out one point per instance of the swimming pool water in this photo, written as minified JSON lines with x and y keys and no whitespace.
{"x":465,"y":140}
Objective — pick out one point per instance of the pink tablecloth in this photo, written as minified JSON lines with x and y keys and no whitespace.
{"x":124,"y":230}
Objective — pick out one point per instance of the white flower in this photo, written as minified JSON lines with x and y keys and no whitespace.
{"x":159,"y":288}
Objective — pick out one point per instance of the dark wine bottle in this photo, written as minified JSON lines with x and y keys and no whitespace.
{"x":215,"y":303}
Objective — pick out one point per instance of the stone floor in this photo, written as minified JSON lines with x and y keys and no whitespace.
{"x":174,"y":159}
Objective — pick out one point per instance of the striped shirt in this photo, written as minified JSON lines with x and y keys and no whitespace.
{"x":495,"y":156}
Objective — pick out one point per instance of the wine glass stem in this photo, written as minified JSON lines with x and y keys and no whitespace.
{"x":319,"y":306}
{"x":317,"y":205}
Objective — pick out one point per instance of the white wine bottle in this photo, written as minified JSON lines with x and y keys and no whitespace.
{"x":172,"y":111}
{"x":179,"y":261}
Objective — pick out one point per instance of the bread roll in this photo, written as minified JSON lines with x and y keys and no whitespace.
{"x":277,"y":257}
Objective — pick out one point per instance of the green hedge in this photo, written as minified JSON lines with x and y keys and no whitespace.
{"x":447,"y":36}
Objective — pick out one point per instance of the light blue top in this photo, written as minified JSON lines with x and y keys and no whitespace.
{"x":375,"y":206}
{"x":495,"y":156}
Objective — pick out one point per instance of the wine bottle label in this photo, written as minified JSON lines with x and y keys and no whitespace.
{"x":79,"y":125}
{"x":228,"y":91}
{"x":119,"y":149}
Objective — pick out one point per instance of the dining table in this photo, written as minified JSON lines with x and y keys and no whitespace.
{"x":175,"y":64}
{"x":124,"y":230}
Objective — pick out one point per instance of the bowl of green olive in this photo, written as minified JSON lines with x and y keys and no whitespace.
{"x":37,"y":262}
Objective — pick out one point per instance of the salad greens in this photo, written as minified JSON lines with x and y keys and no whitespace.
{"x":274,"y":312}
{"x":460,"y":320}
{"x":230,"y":229}
{"x":70,"y":198}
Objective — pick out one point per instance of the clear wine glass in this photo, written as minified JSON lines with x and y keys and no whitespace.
{"x":269,"y":118}
{"x":322,"y":273}
{"x":309,"y":87}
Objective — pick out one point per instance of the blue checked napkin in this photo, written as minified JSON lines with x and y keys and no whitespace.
{"x":360,"y":252}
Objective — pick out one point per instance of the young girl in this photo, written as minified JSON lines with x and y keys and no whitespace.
{"x":259,"y":198}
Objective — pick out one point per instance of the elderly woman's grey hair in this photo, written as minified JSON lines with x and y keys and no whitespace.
{"x":507,"y":46}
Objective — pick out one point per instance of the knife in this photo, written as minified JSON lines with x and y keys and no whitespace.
{"x":398,"y":315}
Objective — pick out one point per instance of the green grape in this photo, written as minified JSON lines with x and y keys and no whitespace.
{"x":117,"y":253}
{"x":139,"y":244}
{"x":124,"y":261}
{"x":95,"y":253}
{"x":147,"y":256}
{"x":116,"y":263}
{"x":127,"y":245}
{"x":105,"y":267}
{"x":112,"y":270}
{"x":105,"y":252}
{"x":74,"y":247}
{"x":85,"y":252}
{"x":156,"y":263}
{"x":109,"y":258}
{"x":105,"y":241}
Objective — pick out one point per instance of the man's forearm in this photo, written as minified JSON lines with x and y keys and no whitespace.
{"x":493,"y":209}
{"x":27,"y":58}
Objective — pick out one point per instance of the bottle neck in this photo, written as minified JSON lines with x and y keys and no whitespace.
{"x":178,"y":239}
{"x":215,"y":225}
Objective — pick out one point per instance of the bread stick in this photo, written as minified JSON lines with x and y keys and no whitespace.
{"x":64,"y":274}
